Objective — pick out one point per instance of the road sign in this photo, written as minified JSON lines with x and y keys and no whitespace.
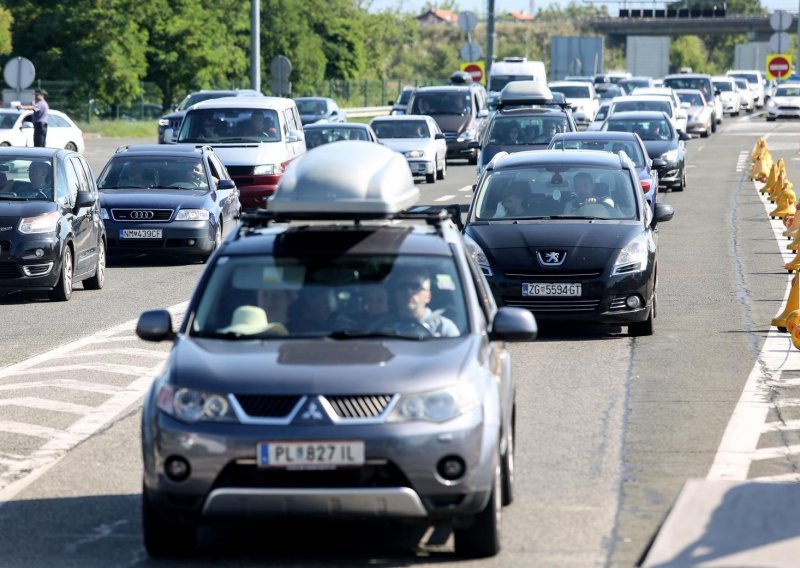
{"x":19,"y":73}
{"x":467,"y":21}
{"x":279,"y":87}
{"x":280,"y":67}
{"x":780,"y":20}
{"x":779,"y":66}
{"x":780,"y":42}
{"x":471,"y":51}
{"x":476,"y":71}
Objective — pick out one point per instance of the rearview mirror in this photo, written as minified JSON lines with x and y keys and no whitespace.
{"x":685,"y":136}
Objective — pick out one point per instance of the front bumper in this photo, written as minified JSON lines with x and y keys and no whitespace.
{"x":783,"y":112}
{"x":421,"y":167}
{"x":21,"y":269}
{"x":670,"y":175}
{"x":457,"y":149}
{"x":254,"y":190}
{"x":190,"y":237}
{"x":697,"y":127}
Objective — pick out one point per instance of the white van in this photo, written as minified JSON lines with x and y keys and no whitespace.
{"x":515,"y":69}
{"x":256,"y":138}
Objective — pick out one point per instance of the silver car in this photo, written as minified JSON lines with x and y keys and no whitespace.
{"x":418,"y":138}
{"x":699,"y":111}
{"x":345,"y":368}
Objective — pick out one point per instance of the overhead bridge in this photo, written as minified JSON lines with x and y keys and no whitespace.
{"x":686,"y":22}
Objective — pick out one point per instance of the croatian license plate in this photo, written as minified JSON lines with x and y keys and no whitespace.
{"x":310,"y":454}
{"x":140,"y":233}
{"x":552,"y":289}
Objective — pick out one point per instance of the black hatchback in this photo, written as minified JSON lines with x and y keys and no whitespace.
{"x":567,"y":235}
{"x":51,"y":234}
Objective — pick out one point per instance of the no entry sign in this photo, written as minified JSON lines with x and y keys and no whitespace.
{"x":779,"y":66}
{"x":475,"y":69}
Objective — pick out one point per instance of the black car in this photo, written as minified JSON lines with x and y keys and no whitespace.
{"x":401,"y":104}
{"x":662,"y":140}
{"x":173,"y":120}
{"x":567,"y":235}
{"x":324,"y":133}
{"x":51,"y":235}
{"x":167,"y":199}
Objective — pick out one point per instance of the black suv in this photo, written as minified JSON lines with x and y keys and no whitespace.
{"x":461,"y":112}
{"x":51,"y":234}
{"x":173,"y":120}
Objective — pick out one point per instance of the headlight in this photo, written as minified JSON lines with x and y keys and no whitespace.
{"x":46,"y":223}
{"x":477,"y":254}
{"x":670,"y":156}
{"x":192,"y":215}
{"x":632,"y":258}
{"x":264,"y":170}
{"x":435,"y":406}
{"x":414,"y":154}
{"x":770,"y":103}
{"x":104,"y":213}
{"x":192,"y":405}
{"x":163,"y":122}
{"x":467,"y":135}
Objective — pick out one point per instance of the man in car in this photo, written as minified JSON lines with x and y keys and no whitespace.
{"x":39,"y":187}
{"x":260,"y":126}
{"x":585,"y":194}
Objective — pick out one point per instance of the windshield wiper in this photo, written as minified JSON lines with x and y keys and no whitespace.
{"x":387,"y":334}
{"x":579,"y":217}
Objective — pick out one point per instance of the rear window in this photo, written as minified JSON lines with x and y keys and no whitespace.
{"x":441,"y":103}
{"x":647,"y":129}
{"x":626,"y":106}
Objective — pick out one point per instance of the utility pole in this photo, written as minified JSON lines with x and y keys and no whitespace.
{"x":255,"y":44}
{"x":489,"y":37}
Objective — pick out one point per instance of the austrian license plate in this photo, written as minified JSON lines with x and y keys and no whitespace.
{"x":552,"y":289}
{"x":140,"y":233}
{"x":310,"y":454}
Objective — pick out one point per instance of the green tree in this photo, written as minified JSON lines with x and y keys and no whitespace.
{"x":6,"y":19}
{"x":688,"y":51}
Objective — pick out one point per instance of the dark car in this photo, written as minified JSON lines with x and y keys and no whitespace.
{"x":662,"y":141}
{"x":401,"y":104}
{"x":175,"y":199}
{"x":701,"y":82}
{"x":339,"y":367}
{"x":319,"y":109}
{"x":567,"y":234}
{"x":51,"y":234}
{"x":615,"y":142}
{"x":323,"y":133}
{"x":173,"y":120}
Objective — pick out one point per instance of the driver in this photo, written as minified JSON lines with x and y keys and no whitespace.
{"x":409,"y":298}
{"x":38,"y":173}
{"x":585,"y":194}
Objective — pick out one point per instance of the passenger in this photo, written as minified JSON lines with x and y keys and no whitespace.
{"x":585,"y":194}
{"x":260,"y":126}
{"x":513,"y":203}
{"x":514,"y":136}
{"x":252,"y":320}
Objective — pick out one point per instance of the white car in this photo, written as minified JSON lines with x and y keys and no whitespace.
{"x":747,"y":100}
{"x":581,"y":96}
{"x":698,"y":110}
{"x":784,"y":102}
{"x":420,"y":140}
{"x":660,"y":103}
{"x":731,"y":101}
{"x":16,"y":129}
{"x":755,"y":81}
{"x":600,"y":117}
{"x":680,"y":113}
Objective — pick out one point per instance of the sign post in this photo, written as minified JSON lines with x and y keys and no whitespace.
{"x":779,"y":66}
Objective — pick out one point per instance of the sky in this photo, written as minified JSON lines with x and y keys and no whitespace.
{"x":479,"y":6}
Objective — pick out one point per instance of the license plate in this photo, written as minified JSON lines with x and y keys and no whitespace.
{"x":140,"y":233}
{"x":552,"y":289}
{"x":310,"y":454}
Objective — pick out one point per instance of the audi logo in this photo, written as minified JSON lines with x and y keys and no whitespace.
{"x":141,"y":215}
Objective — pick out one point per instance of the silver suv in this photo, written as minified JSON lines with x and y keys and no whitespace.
{"x":331,"y":364}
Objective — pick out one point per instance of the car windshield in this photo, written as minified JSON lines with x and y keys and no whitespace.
{"x":694,"y":99}
{"x":608,"y":91}
{"x":8,"y":119}
{"x":319,"y":136}
{"x":441,"y":103}
{"x":742,"y":84}
{"x":750,"y":78}
{"x":723,"y":86}
{"x":647,"y":129}
{"x":701,"y":84}
{"x":230,"y":125}
{"x":602,"y":112}
{"x":630,"y":147}
{"x":497,"y":82}
{"x":322,"y":293}
{"x":401,"y":129}
{"x":315,"y":107}
{"x":131,"y":172}
{"x":23,"y":178}
{"x":525,"y":130}
{"x":559,"y":191}
{"x":625,"y":106}
{"x":788,"y":91}
{"x":572,"y":92}
{"x":405,"y":95}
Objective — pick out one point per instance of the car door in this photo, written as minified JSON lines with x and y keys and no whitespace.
{"x":228,"y":198}
{"x":440,"y":143}
{"x":85,"y":219}
{"x":24,"y":128}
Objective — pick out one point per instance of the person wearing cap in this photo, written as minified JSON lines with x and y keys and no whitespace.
{"x":40,"y":110}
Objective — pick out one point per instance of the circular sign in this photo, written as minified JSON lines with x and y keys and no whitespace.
{"x":779,"y":66}
{"x":780,"y":42}
{"x":471,"y":51}
{"x":780,"y":20}
{"x":468,"y":20}
{"x":280,"y":67}
{"x":19,"y":73}
{"x":475,"y":72}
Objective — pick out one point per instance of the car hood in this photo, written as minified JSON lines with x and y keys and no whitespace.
{"x":406,"y":144}
{"x":320,"y":366}
{"x":457,"y":123}
{"x":12,"y":211}
{"x":789,"y":101}
{"x":729,"y":96}
{"x":655,"y":148}
{"x":513,"y":245}
{"x":251,"y":153}
{"x":152,"y":197}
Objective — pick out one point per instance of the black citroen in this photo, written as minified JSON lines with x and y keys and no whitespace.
{"x":567,"y":234}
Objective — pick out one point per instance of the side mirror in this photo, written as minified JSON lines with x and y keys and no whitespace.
{"x":155,"y":325}
{"x":682,"y":114}
{"x":390,"y":103}
{"x":295,"y":136}
{"x":659,"y":163}
{"x":474,"y":144}
{"x":226,"y":184}
{"x":684,"y":136}
{"x":663,"y":212}
{"x":483,"y":113}
{"x":513,"y":324}
{"x":439,"y":136}
{"x":84,"y":199}
{"x":168,"y":134}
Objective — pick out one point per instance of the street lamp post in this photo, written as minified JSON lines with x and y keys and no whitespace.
{"x":255,"y":45}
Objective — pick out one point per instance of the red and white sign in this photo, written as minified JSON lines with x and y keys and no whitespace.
{"x":778,"y":66}
{"x":475,"y":71}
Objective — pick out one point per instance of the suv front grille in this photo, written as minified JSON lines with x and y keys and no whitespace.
{"x":158,"y":215}
{"x":240,"y":170}
{"x":556,"y":273}
{"x":5,"y":246}
{"x":245,"y":475}
{"x":555,"y":305}
{"x":267,"y":406}
{"x":367,"y":406}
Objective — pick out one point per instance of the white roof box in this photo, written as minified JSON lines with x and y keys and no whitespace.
{"x":345,"y":180}
{"x":525,"y":93}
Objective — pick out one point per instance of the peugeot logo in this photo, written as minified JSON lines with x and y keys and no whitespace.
{"x":141,"y":215}
{"x":551,"y":257}
{"x":312,"y":412}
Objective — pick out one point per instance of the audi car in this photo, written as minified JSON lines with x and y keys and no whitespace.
{"x":546,"y":245}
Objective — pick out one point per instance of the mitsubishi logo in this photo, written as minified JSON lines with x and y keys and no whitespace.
{"x":312,"y":412}
{"x":141,"y":215}
{"x":551,"y":257}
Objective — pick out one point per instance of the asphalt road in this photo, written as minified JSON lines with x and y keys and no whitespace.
{"x":609,"y":427}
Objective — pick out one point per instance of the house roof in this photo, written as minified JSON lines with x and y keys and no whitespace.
{"x":522,"y":16}
{"x":440,"y":15}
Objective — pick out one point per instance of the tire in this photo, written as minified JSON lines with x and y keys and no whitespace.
{"x":441,"y":174}
{"x":507,"y":464}
{"x":682,"y":184}
{"x":217,"y":242}
{"x":770,"y":118}
{"x":97,"y":281}
{"x":5,"y":144}
{"x":482,"y":538}
{"x":473,"y":160}
{"x":431,"y":178}
{"x":71,"y":147}
{"x":642,"y":328}
{"x":163,"y":537}
{"x":63,"y":289}
{"x":713,"y":124}
{"x":705,"y":133}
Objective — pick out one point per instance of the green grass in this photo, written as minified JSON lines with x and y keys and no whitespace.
{"x":120,"y":128}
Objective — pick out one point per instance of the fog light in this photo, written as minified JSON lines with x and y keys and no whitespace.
{"x":191,"y":242}
{"x":633,"y":302}
{"x":177,"y":468}
{"x":39,"y":253}
{"x":451,"y":468}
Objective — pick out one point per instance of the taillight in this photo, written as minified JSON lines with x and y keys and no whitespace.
{"x":645,"y":185}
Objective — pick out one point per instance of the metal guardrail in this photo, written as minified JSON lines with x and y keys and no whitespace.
{"x":361,"y":112}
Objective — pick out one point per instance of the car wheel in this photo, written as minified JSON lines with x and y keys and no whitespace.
{"x":482,"y":538}
{"x":71,"y":147}
{"x":473,"y":160}
{"x":770,"y":118}
{"x":705,"y":132}
{"x":96,"y":282}
{"x":431,"y":178}
{"x":217,"y":242}
{"x":713,"y":124}
{"x":441,"y":174}
{"x":63,"y":289}
{"x":163,"y":537}
{"x":682,"y":184}
{"x":4,"y":144}
{"x":507,"y":464}
{"x":642,"y":328}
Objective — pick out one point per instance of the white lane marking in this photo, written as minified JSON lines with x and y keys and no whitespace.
{"x":782,"y":426}
{"x":13,"y":427}
{"x":466,"y":188}
{"x":775,"y":452}
{"x":445,"y":198}
{"x":121,"y":351}
{"x":68,"y":384}
{"x":47,"y":404}
{"x":133,"y":370}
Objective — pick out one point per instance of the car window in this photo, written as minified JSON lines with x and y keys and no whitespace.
{"x":53,"y":120}
{"x":626,"y":106}
{"x":787,"y":91}
{"x":167,"y":172}
{"x":572,"y":92}
{"x":647,"y":129}
{"x":67,"y":193}
{"x":230,"y":125}
{"x":401,"y":129}
{"x":630,"y":147}
{"x":693,"y":99}
{"x":522,"y":130}
{"x":8,"y":120}
{"x":83,"y":182}
{"x":290,"y":120}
